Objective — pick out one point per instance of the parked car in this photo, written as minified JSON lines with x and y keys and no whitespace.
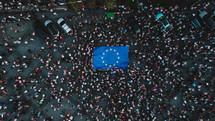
{"x":40,"y":30}
{"x":65,"y":27}
{"x":194,"y":20}
{"x":165,"y":23}
{"x":61,"y":3}
{"x":52,"y":29}
{"x":208,"y":20}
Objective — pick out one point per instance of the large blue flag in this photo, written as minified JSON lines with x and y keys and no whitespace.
{"x":110,"y":57}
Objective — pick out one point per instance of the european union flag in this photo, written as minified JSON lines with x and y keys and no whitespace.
{"x":110,"y":57}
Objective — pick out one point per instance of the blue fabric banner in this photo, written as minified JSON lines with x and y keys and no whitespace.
{"x":110,"y":57}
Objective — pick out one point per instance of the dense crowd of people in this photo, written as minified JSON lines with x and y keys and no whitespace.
{"x":165,"y":67}
{"x":6,"y":5}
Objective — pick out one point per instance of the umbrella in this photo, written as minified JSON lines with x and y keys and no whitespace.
{"x":2,"y":103}
{"x":10,"y":79}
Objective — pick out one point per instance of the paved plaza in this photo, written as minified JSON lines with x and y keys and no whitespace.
{"x":170,"y":75}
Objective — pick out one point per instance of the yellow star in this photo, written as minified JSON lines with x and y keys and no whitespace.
{"x":113,"y":64}
{"x":117,"y":53}
{"x":109,"y":65}
{"x":114,"y":50}
{"x":102,"y":57}
{"x":103,"y":53}
{"x":118,"y":57}
{"x":103,"y":62}
{"x":110,"y":49}
{"x":106,"y":50}
{"x":116,"y":61}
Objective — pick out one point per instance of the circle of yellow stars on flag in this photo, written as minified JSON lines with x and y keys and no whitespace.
{"x":110,"y":65}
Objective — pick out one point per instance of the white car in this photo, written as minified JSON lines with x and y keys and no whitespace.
{"x":65,"y":27}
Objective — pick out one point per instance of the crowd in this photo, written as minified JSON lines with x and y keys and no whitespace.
{"x":170,"y":75}
{"x":6,"y":5}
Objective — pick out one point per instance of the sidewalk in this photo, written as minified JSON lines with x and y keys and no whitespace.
{"x":18,"y":29}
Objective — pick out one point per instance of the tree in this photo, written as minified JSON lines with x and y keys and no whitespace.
{"x":91,"y":4}
{"x":182,"y":3}
{"x":74,"y":5}
{"x":110,"y":4}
